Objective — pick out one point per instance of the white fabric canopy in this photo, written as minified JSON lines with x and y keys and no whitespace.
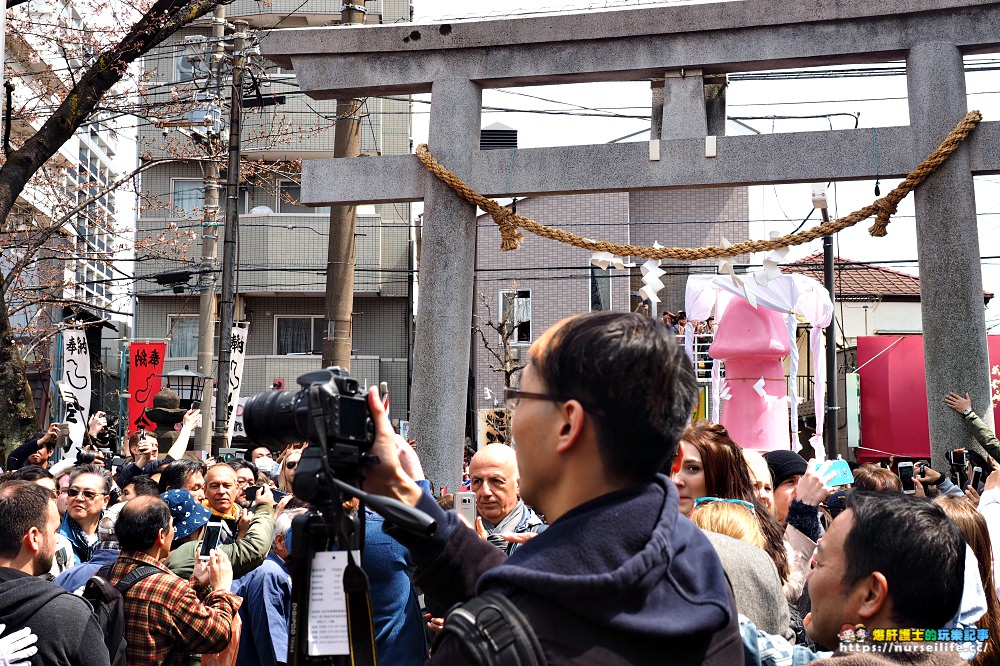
{"x":790,"y":294}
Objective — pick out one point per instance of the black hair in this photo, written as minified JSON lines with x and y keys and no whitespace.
{"x":243,"y":464}
{"x":143,"y":485}
{"x":140,"y":521}
{"x":23,"y":505}
{"x":634,"y":381}
{"x":918,"y":549}
{"x":249,"y":452}
{"x":91,"y":468}
{"x":176,"y":474}
{"x":31,"y":472}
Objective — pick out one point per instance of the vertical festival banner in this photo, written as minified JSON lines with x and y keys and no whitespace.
{"x":74,"y":384}
{"x":237,"y":354}
{"x":144,"y":365}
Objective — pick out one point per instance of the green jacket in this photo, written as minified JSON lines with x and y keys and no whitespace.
{"x":978,"y":429}
{"x":246,"y":554}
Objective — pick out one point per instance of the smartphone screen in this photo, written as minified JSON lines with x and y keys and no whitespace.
{"x":465,"y":504}
{"x":977,"y":477}
{"x":906,"y":478}
{"x":213,"y":535}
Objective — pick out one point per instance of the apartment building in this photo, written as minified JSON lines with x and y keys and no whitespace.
{"x":282,"y":246}
{"x":77,"y":276}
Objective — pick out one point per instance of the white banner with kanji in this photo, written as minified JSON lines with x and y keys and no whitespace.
{"x":237,"y":351}
{"x":74,"y":384}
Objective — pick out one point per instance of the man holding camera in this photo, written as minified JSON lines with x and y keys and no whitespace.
{"x":591,"y":435}
{"x":144,"y":448}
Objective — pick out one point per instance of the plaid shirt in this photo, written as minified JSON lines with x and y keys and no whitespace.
{"x":165,"y":613}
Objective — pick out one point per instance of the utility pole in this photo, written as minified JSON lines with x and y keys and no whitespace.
{"x":209,"y":249}
{"x":340,"y":252}
{"x":231,"y":232}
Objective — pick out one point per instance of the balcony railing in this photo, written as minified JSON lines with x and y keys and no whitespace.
{"x":701,"y":360}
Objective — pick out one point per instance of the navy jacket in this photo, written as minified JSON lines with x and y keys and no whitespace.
{"x":621,"y":579}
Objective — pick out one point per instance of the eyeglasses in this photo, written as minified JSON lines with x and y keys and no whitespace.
{"x":88,"y":494}
{"x":706,"y":500}
{"x":512,"y":397}
{"x":291,"y":464}
{"x":53,"y":493}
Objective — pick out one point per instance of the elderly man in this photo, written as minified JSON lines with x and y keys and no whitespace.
{"x":245,"y":554}
{"x":167,"y":617}
{"x":221,"y":487}
{"x":496,"y":482}
{"x":67,"y":630}
{"x":619,"y":577}
{"x":87,"y":497}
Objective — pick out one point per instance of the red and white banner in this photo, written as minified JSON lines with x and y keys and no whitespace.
{"x":145,"y":365}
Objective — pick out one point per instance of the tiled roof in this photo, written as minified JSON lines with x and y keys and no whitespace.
{"x":855,"y":279}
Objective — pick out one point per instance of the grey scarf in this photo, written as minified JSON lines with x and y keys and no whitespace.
{"x":505,"y":526}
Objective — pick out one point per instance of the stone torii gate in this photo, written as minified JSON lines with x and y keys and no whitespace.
{"x":690,"y":47}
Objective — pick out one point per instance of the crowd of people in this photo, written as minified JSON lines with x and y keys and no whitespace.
{"x":619,"y":531}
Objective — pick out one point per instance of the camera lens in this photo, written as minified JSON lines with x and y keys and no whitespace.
{"x":269,"y":418}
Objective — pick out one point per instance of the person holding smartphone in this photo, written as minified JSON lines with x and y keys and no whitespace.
{"x":246,"y":553}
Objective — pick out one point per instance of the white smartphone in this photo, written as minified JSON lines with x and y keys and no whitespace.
{"x":977,"y":478}
{"x":465,"y":504}
{"x":211,"y":539}
{"x":905,"y":472}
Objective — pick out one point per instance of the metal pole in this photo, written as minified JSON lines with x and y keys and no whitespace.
{"x":228,"y":312}
{"x":209,"y":249}
{"x":830,"y":434}
{"x":340,"y":251}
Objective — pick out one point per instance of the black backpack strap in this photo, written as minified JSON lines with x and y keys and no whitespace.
{"x":493,"y":631}
{"x":134,"y":576}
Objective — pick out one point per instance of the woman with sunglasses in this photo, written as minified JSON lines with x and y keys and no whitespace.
{"x":287,"y":474}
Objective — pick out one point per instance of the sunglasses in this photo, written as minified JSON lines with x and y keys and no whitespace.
{"x":88,"y":494}
{"x":291,"y":464}
{"x":706,"y":500}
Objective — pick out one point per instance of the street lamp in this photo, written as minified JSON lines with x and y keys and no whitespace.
{"x":187,"y":384}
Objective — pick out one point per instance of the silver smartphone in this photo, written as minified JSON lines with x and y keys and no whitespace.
{"x":905,"y":472}
{"x":211,"y":539}
{"x":465,"y":504}
{"x":977,"y":478}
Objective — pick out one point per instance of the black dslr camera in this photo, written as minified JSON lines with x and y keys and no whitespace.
{"x":329,"y":407}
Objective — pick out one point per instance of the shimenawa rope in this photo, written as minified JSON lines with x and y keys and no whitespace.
{"x":883,"y":208}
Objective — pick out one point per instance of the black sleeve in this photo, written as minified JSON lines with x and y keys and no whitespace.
{"x":127,"y":473}
{"x":19,"y":455}
{"x":450,"y":562}
{"x":805,"y":519}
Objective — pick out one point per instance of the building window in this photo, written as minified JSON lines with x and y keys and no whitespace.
{"x":600,"y":289}
{"x":187,"y":195}
{"x":183,"y":334}
{"x":298,"y":335}
{"x":515,"y":309}
{"x":289,"y":195}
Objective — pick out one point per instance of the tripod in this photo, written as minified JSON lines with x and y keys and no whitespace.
{"x":340,"y":631}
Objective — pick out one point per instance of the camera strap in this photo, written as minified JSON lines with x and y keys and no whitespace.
{"x":359,"y":614}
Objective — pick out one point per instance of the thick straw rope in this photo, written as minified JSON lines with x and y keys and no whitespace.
{"x":882,"y":209}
